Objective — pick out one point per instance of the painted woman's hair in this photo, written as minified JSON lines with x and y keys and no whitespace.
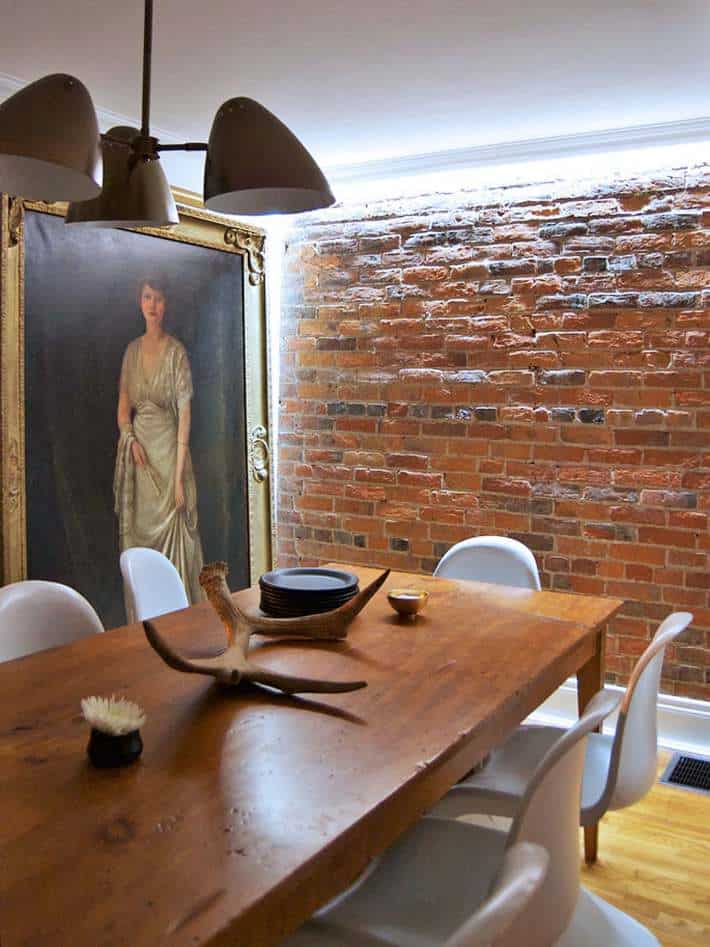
{"x":155,"y":281}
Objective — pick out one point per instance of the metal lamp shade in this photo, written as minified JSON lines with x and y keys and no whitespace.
{"x":255,"y":165}
{"x":50,"y":148}
{"x":132,"y":196}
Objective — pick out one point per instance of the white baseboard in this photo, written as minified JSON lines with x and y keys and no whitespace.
{"x":683,"y":723}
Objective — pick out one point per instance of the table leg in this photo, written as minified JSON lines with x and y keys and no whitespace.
{"x":590,"y":679}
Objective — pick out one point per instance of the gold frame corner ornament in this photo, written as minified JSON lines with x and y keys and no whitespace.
{"x":252,"y":245}
{"x":200,"y":228}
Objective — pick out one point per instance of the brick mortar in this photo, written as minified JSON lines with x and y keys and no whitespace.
{"x":532,"y":361}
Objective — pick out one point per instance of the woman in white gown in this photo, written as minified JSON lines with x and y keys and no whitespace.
{"x":154,"y":484}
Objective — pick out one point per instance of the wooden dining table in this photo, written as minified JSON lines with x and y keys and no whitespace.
{"x":249,"y":809}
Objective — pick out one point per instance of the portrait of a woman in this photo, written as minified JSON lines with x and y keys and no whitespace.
{"x":154,"y":484}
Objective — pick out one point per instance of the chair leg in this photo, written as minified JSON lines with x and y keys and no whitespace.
{"x":591,"y":836}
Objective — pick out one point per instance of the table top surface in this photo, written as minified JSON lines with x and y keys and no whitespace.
{"x":248,"y":809}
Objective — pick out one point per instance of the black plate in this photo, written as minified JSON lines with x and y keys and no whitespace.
{"x":308,"y":581}
{"x":305,"y":601}
{"x":283,"y":594}
{"x":312,"y":606}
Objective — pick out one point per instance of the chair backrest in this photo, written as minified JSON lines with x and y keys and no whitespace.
{"x":35,"y":615}
{"x":632,"y":768}
{"x":151,"y":583}
{"x":548,"y":815}
{"x":521,"y":874}
{"x":491,"y":559}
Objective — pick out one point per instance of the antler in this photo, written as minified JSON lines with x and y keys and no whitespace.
{"x":332,"y":624}
{"x":233,"y":666}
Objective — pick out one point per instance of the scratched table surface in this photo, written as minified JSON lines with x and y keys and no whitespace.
{"x":248,"y":809}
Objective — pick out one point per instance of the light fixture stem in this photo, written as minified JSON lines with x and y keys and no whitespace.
{"x":186,"y":146}
{"x":147,"y":57}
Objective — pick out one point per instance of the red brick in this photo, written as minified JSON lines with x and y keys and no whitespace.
{"x":416,"y":461}
{"x":632,"y":552}
{"x":463,"y":481}
{"x":362,"y":458}
{"x":586,"y":585}
{"x":685,"y":598}
{"x":632,"y":646}
{"x":415,"y":478}
{"x":362,"y":524}
{"x":410,"y":530}
{"x":687,"y":520}
{"x":588,"y":475}
{"x":668,"y":576}
{"x":362,"y":492}
{"x":586,"y":434}
{"x":439,"y":514}
{"x":681,"y":557}
{"x":698,"y":580}
{"x":313,"y":503}
{"x":666,"y":537}
{"x":519,"y":488}
{"x":363,"y":425}
{"x":367,"y":475}
{"x":424,"y":274}
{"x":637,"y":438}
{"x":615,"y":456}
{"x":394,"y":510}
{"x":645,"y":515}
{"x":610,"y":569}
{"x":611,"y":379}
{"x":515,"y":451}
{"x":559,"y":453}
{"x":642,"y":477}
{"x":655,"y":457}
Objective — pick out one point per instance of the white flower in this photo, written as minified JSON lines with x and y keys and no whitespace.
{"x":114,"y":715}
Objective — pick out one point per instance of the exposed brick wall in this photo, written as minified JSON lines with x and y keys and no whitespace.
{"x":508,"y":363}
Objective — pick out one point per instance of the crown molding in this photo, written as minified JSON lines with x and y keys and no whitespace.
{"x":107,"y":118}
{"x":684,"y":131}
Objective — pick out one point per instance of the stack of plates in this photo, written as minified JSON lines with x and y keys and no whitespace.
{"x":287,"y":593}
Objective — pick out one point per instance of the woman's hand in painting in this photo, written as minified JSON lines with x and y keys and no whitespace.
{"x":138,"y":454}
{"x":179,"y":496}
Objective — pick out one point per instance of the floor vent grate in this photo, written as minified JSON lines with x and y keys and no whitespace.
{"x":688,"y":772}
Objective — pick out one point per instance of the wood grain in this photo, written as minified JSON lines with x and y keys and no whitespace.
{"x":247,"y":811}
{"x":653,"y":864}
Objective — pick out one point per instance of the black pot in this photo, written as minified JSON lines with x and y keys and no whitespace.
{"x":106,"y":751}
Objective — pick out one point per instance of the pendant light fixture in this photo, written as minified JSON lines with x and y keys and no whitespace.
{"x":50,"y":150}
{"x":256,"y":165}
{"x":135,"y":193}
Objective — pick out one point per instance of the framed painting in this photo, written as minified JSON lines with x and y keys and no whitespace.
{"x":133,"y":400}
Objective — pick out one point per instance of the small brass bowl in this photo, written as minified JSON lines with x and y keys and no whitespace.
{"x":407,"y":601}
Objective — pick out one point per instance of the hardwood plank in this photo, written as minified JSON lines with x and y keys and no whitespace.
{"x":653,"y":861}
{"x":248,"y":810}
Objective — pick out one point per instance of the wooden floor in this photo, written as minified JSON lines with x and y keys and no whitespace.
{"x":654,"y":863}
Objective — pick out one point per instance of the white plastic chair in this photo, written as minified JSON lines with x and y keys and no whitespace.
{"x":618,"y":771}
{"x":35,"y":615}
{"x":522,"y":872}
{"x":152,"y":585}
{"x":495,"y":559}
{"x":425,"y":887}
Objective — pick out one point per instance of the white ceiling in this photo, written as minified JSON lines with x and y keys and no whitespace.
{"x":379,"y":78}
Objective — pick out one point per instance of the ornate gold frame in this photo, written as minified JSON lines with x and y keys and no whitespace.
{"x":197,"y":227}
